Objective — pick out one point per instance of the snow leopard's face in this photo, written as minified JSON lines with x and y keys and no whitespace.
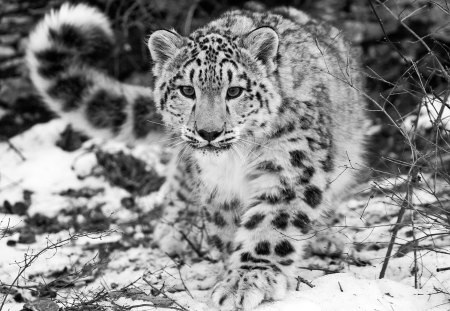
{"x":214,"y":89}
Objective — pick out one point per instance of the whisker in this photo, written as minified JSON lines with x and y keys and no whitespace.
{"x":177,"y":155}
{"x":162,"y":124}
{"x":187,"y":153}
{"x":235,"y":149}
{"x":243,"y":143}
{"x":252,"y":150}
{"x":163,"y":140}
{"x":182,"y":153}
{"x":176,"y":144}
{"x":251,"y":142}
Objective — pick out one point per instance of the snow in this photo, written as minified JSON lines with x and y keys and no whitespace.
{"x":344,"y":291}
{"x":47,"y":170}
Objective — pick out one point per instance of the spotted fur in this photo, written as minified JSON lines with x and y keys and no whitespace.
{"x":63,"y":54}
{"x":270,"y":115}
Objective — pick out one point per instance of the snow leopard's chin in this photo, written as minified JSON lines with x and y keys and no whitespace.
{"x":212,"y":151}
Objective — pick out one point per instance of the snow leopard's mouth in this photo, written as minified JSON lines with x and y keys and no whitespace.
{"x":212,"y":148}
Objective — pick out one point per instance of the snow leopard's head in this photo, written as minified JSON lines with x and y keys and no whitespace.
{"x":214,"y":89}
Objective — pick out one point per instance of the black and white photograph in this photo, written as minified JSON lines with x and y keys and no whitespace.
{"x":224,"y":155}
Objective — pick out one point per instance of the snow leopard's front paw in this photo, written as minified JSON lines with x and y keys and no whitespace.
{"x":245,"y":289}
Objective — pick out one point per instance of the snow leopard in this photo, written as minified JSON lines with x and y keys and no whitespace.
{"x":268,"y":112}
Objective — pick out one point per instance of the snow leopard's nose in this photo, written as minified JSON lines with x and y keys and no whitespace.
{"x":209,"y":135}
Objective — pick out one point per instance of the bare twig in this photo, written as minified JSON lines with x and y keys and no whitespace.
{"x":302,"y":280}
{"x":16,"y":150}
{"x":442,"y":269}
{"x":178,"y":264}
{"x":406,"y":203}
{"x":189,"y":16}
{"x":54,"y":246}
{"x":164,"y":294}
{"x":340,"y":287}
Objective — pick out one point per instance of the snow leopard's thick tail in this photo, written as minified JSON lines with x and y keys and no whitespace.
{"x":62,"y":54}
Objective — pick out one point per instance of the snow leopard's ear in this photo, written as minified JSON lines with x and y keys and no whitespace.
{"x":163,"y":44}
{"x":262,"y":43}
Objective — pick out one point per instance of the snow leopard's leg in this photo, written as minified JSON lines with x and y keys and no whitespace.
{"x":63,"y":54}
{"x":289,"y":190}
{"x":223,"y":219}
{"x":269,"y":242}
{"x":182,"y":226}
{"x":196,"y":218}
{"x":205,"y":226}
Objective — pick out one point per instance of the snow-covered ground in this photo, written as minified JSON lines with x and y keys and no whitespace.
{"x":55,"y":197}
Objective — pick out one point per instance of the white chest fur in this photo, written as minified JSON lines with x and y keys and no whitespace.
{"x":225,"y":172}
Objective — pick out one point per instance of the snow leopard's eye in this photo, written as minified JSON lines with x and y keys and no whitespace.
{"x":234,"y":92}
{"x":187,"y":91}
